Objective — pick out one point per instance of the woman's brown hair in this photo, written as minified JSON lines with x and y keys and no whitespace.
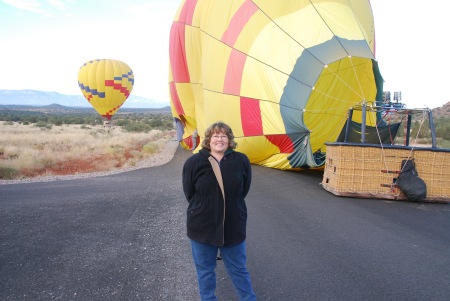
{"x":219,"y":127}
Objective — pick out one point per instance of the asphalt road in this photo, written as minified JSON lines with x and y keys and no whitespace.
{"x":122,"y":237}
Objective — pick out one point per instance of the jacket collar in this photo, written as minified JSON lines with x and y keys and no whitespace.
{"x":206,"y":153}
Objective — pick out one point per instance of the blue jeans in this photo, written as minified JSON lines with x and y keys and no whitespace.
{"x":235,"y":260}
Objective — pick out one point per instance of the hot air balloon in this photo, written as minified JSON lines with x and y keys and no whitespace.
{"x":282,"y":74}
{"x":106,"y":84}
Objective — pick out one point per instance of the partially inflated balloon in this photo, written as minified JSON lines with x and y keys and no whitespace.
{"x":282,"y":74}
{"x":106,"y":84}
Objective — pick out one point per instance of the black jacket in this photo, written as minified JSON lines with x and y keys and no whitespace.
{"x":210,"y":220}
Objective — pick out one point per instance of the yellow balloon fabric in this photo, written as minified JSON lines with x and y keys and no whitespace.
{"x":106,"y":84}
{"x":282,"y":74}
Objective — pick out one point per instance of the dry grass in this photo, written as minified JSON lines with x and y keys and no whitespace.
{"x":28,"y":151}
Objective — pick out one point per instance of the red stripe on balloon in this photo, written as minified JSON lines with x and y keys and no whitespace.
{"x":117,"y":86}
{"x":283,"y":142}
{"x":233,"y":76}
{"x":176,"y":99}
{"x":177,"y":53}
{"x":188,"y":141}
{"x":238,"y":22}
{"x":251,"y":117}
{"x":187,"y":12}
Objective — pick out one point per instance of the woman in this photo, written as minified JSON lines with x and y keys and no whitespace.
{"x":215,"y":223}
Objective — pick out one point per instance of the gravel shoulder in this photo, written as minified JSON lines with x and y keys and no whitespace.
{"x":163,"y":157}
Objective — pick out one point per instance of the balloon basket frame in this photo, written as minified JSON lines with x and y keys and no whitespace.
{"x":370,"y":171}
{"x":363,"y":170}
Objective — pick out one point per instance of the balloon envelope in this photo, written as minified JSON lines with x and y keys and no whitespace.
{"x":282,"y":74}
{"x":106,"y":84}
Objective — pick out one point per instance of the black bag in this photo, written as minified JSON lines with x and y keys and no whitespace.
{"x":413,"y":187}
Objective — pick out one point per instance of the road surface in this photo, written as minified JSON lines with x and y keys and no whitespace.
{"x":122,"y":237}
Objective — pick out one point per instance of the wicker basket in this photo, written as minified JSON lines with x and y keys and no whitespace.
{"x":370,"y":171}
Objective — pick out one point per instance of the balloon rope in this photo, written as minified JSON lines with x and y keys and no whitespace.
{"x":332,"y":97}
{"x":312,"y":54}
{"x":420,"y":127}
{"x":343,"y":81}
{"x":410,"y":152}
{"x":357,"y":78}
{"x":384,"y":160}
{"x":349,"y":56}
{"x":415,"y":139}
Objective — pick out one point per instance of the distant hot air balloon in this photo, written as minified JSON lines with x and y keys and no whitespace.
{"x":282,"y":74}
{"x":106,"y":84}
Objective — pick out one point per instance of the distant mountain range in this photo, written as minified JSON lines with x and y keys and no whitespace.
{"x":44,"y":98}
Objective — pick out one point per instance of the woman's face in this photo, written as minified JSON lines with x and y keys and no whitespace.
{"x":219,"y":142}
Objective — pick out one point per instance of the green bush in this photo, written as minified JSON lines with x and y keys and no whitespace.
{"x":137,"y":127}
{"x":41,"y":124}
{"x":441,"y":143}
{"x":30,"y":119}
{"x":122,"y":122}
{"x":7,"y":173}
{"x":150,"y":148}
{"x":442,"y":126}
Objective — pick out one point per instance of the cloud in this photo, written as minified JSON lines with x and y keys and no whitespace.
{"x":36,"y":6}
{"x":27,"y":5}
{"x":57,"y":3}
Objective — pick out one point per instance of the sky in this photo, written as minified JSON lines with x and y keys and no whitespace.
{"x":43,"y":43}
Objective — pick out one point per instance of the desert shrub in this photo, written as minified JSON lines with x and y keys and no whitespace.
{"x":135,"y":157}
{"x":115,"y":149}
{"x":442,"y":143}
{"x":41,"y":124}
{"x":425,"y":141}
{"x":137,"y":127}
{"x":150,"y":148}
{"x":102,"y":131}
{"x":136,"y":154}
{"x":122,"y":122}
{"x":9,"y":153}
{"x":442,"y":126}
{"x":28,"y":150}
{"x":30,"y":119}
{"x":168,"y":125}
{"x":7,"y":173}
{"x":39,"y":146}
{"x":74,"y":120}
{"x":154,"y":122}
